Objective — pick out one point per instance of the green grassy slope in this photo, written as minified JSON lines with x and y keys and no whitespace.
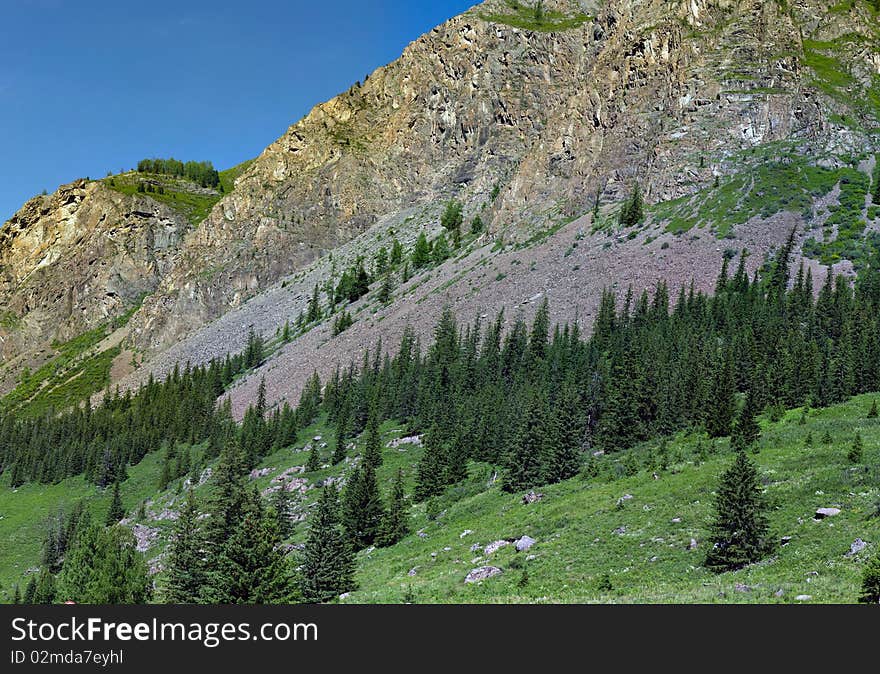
{"x":577,"y":524}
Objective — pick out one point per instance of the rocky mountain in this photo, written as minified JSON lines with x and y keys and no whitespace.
{"x":75,"y":259}
{"x":738,"y":119}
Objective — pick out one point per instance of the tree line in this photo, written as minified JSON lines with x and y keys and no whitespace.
{"x":200,"y":172}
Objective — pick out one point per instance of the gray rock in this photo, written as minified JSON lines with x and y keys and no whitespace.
{"x":785,"y":540}
{"x":740,"y":587}
{"x":476,"y":547}
{"x":822,"y":513}
{"x":856,"y":547}
{"x":532,"y":497}
{"x":676,"y":520}
{"x":413,"y":571}
{"x":779,"y":593}
{"x":693,"y":544}
{"x":496,"y":545}
{"x":464,"y":533}
{"x":620,"y":531}
{"x":482,"y":573}
{"x":803,"y":597}
{"x":525,"y":543}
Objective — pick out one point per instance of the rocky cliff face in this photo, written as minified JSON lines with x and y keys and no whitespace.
{"x":77,"y":258}
{"x":656,"y":91}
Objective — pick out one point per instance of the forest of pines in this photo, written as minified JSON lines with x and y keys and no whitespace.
{"x":533,"y":400}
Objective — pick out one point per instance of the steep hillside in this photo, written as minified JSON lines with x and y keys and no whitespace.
{"x":630,"y":531}
{"x":544,"y":117}
{"x":74,"y":260}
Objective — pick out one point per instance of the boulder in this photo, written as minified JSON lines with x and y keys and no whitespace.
{"x":803,"y":597}
{"x":693,"y":544}
{"x":525,"y":543}
{"x":620,"y":531}
{"x":856,"y":547}
{"x":822,"y":513}
{"x":496,"y":545}
{"x":482,"y":573}
{"x":464,"y":533}
{"x":532,"y":497}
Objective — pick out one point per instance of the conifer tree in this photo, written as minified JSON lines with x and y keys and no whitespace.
{"x":30,"y":591}
{"x":327,"y":563}
{"x":46,"y":590}
{"x":856,"y":450}
{"x":524,"y":465}
{"x":722,"y":400}
{"x":116,"y":511}
{"x":314,"y":462}
{"x":250,"y":567}
{"x":747,"y":431}
{"x":103,"y":567}
{"x":283,"y":511}
{"x":187,"y":569}
{"x":313,"y":312}
{"x":342,"y":426}
{"x":739,"y":532}
{"x":872,"y":413}
{"x":362,"y":510}
{"x":16,"y":596}
{"x":421,"y":255}
{"x":871,"y":581}
{"x":395,"y":525}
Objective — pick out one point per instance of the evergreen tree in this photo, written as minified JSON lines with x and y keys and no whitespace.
{"x":103,"y":567}
{"x":723,"y":400}
{"x":856,"y":450}
{"x":30,"y":591}
{"x":525,"y":463}
{"x":421,"y":255}
{"x":872,"y":413}
{"x":314,"y":462}
{"x":250,"y":567}
{"x":740,"y":531}
{"x":476,"y":225}
{"x":187,"y":568}
{"x":313,"y":312}
{"x":327,"y":564}
{"x":871,"y":580}
{"x":116,"y":512}
{"x":386,"y":289}
{"x":633,"y":208}
{"x":283,"y":511}
{"x":747,"y":431}
{"x":46,"y":590}
{"x":395,"y":525}
{"x":362,"y":510}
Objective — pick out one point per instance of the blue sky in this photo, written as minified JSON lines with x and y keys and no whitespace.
{"x":91,"y":86}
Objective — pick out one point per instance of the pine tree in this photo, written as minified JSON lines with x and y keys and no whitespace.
{"x":386,"y":290}
{"x":856,"y":450}
{"x":747,"y":431}
{"x":314,"y":462}
{"x":871,"y":582}
{"x":116,"y":511}
{"x":283,"y":511}
{"x":722,"y":400}
{"x":633,"y":208}
{"x":30,"y":591}
{"x":739,"y":533}
{"x":250,"y":567}
{"x":342,"y":425}
{"x":46,"y":590}
{"x":285,"y":332}
{"x":16,"y":596}
{"x":872,"y":413}
{"x":187,"y":571}
{"x":327,"y":564}
{"x":395,"y":525}
{"x":362,"y":510}
{"x":103,"y":567}
{"x":313,"y":312}
{"x":421,"y":255}
{"x":525,"y":463}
